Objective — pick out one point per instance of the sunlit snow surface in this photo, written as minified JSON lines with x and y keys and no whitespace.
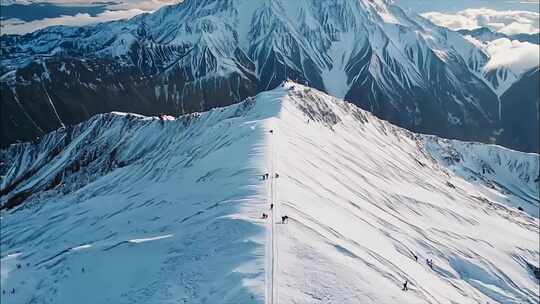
{"x":133,"y":209}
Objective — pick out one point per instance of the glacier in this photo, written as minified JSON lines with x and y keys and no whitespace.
{"x":125,"y":208}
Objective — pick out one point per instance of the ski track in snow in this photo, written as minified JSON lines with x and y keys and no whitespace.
{"x":170,"y":211}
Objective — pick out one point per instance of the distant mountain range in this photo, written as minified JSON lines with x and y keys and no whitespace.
{"x":38,"y":11}
{"x":485,"y":34}
{"x":201,"y":54}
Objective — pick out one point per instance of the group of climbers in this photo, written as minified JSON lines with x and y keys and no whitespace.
{"x":429,"y":262}
{"x":19,"y":266}
{"x":284,"y":218}
{"x":12,"y":291}
{"x":266,"y":176}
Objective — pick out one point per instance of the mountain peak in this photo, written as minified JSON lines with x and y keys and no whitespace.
{"x":198,"y":55}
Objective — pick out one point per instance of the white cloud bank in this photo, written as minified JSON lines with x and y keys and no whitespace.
{"x":517,"y":56}
{"x":16,"y":26}
{"x":121,"y":10}
{"x":506,"y":22}
{"x":145,"y":5}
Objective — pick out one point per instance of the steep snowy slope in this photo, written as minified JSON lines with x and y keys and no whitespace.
{"x":127,"y":209}
{"x":364,"y":197}
{"x":169,"y":211}
{"x":206,"y":53}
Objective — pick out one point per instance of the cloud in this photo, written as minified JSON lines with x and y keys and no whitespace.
{"x":115,"y":10}
{"x":517,"y":56}
{"x":518,"y":28}
{"x":16,"y":26}
{"x":507,"y":22}
{"x":145,"y":5}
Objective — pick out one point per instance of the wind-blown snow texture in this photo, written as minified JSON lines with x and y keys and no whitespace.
{"x":132,"y":209}
{"x":206,"y":53}
{"x":154,"y":211}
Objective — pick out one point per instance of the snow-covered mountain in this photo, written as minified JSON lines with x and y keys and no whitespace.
{"x":509,"y":59}
{"x":206,"y":53}
{"x":130,"y":209}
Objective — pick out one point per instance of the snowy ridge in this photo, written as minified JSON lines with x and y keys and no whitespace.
{"x":363,"y":197}
{"x":501,"y":79}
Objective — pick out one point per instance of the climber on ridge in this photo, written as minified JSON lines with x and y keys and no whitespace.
{"x":429,"y":263}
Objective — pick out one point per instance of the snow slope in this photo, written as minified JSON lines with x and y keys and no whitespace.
{"x":154,"y":211}
{"x":169,"y":211}
{"x":364,"y":197}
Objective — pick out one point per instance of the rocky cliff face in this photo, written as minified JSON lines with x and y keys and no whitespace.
{"x":520,"y":107}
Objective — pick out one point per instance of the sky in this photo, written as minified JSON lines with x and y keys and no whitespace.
{"x":506,"y":16}
{"x":453,"y":6}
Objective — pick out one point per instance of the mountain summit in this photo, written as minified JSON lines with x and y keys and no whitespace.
{"x":131,"y":209}
{"x":200,"y":54}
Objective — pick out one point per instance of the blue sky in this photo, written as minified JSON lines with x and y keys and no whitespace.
{"x":452,"y":6}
